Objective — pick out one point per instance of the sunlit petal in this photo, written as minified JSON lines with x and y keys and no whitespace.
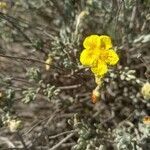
{"x":89,"y":57}
{"x":105,"y":42}
{"x":100,"y":69}
{"x":92,"y":42}
{"x":112,"y":57}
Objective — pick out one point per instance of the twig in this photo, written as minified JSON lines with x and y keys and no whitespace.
{"x":62,"y":141}
{"x":60,"y":134}
{"x":20,"y":80}
{"x":22,"y":140}
{"x":69,"y":87}
{"x":67,"y":145}
{"x":28,"y":59}
{"x":11,"y":21}
{"x":109,"y":119}
{"x":15,"y":26}
{"x":117,"y":16}
{"x":127,"y":120}
{"x":49,"y":120}
{"x":7,"y":141}
{"x":131,"y":25}
{"x":22,"y":58}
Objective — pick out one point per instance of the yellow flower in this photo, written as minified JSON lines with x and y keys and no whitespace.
{"x":98,"y":54}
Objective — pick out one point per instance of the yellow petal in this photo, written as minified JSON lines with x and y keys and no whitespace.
{"x":89,"y":57}
{"x":112,"y":57}
{"x":105,"y":42}
{"x":100,"y":69}
{"x":92,"y":42}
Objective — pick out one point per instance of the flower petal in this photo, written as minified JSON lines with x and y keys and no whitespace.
{"x":105,"y":42}
{"x":100,"y":69}
{"x":112,"y":57}
{"x":92,"y":42}
{"x":89,"y":57}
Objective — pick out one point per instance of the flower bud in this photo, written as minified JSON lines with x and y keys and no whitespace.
{"x":48,"y":63}
{"x":146,"y":120}
{"x":146,"y":91}
{"x":96,"y":95}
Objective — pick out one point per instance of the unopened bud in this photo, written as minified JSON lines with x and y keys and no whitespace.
{"x":146,"y":120}
{"x":96,"y":95}
{"x":146,"y":91}
{"x":48,"y":63}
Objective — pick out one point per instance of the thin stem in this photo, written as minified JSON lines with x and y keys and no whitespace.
{"x":60,"y":134}
{"x":26,"y":59}
{"x":62,"y":141}
{"x":22,"y":140}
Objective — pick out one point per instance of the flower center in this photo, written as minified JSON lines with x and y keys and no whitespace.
{"x":103,"y":55}
{"x":102,"y":45}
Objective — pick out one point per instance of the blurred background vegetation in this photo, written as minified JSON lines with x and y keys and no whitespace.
{"x":45,"y":93}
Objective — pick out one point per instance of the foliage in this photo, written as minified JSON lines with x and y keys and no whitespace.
{"x":44,"y":87}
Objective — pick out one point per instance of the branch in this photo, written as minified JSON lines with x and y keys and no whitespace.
{"x":22,"y":140}
{"x":60,"y":134}
{"x":22,"y":58}
{"x":62,"y":141}
{"x":69,"y":87}
{"x":7,"y":141}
